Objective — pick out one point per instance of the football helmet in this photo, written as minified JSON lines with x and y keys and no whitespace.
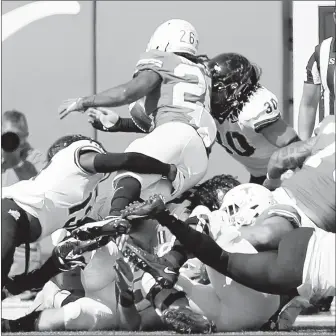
{"x":175,"y":36}
{"x":232,"y":75}
{"x":66,"y":141}
{"x":246,"y":202}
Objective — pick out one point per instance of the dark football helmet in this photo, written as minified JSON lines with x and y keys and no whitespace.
{"x":233,"y":76}
{"x":66,"y":141}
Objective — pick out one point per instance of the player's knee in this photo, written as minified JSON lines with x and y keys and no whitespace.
{"x":87,"y":314}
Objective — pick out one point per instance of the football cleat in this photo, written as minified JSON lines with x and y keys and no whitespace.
{"x":160,"y":268}
{"x":68,"y":254}
{"x":113,"y":226}
{"x":154,"y":205}
{"x":185,"y":321}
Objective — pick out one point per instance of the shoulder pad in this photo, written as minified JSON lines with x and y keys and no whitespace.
{"x":282,"y":210}
{"x":260,"y":111}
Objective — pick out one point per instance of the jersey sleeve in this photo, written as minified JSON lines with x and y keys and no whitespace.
{"x":312,"y":75}
{"x":86,"y":146}
{"x":260,"y":111}
{"x":154,"y":60}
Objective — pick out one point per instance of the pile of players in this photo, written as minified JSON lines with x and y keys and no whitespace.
{"x":164,"y":252}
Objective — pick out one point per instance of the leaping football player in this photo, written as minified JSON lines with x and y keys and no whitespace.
{"x":173,"y":86}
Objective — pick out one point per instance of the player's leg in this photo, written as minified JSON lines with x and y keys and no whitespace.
{"x":276,"y":272}
{"x":14,"y":229}
{"x":174,"y":143}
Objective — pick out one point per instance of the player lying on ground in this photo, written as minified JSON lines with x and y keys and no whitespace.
{"x":303,"y":264}
{"x":223,"y":300}
{"x":146,"y":235}
{"x":63,"y":193}
{"x":211,"y":192}
{"x":107,"y":304}
{"x":311,"y":190}
{"x":102,"y":308}
{"x":172,"y":85}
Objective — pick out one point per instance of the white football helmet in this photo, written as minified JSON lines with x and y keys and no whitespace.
{"x":246,"y":202}
{"x":175,"y":36}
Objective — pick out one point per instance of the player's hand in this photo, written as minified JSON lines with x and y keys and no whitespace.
{"x":272,"y":184}
{"x":70,"y":105}
{"x":103,"y":119}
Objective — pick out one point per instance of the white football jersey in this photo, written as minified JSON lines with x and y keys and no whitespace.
{"x":62,"y":193}
{"x":240,"y":136}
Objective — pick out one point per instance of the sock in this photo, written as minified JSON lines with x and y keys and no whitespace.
{"x":25,"y":323}
{"x":163,"y":298}
{"x":67,"y":298}
{"x":128,"y":190}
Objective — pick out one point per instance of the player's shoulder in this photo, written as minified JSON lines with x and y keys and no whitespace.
{"x":157,"y":59}
{"x":261,"y":107}
{"x":86,"y":145}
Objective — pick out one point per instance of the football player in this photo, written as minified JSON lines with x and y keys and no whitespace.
{"x":106,"y":292}
{"x":311,"y":190}
{"x":63,"y":193}
{"x":303,"y":264}
{"x":173,"y":86}
{"x":248,"y":120}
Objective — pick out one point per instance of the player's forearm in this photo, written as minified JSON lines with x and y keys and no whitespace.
{"x":114,"y":97}
{"x":126,"y":125}
{"x":134,"y":162}
{"x":289,"y":157}
{"x":201,"y":245}
{"x":306,"y":122}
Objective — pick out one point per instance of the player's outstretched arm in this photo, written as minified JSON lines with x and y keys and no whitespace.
{"x":127,"y":93}
{"x":140,"y":86}
{"x":289,"y":157}
{"x":94,"y":162}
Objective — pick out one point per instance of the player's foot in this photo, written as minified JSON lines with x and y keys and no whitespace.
{"x":185,"y":321}
{"x":110,"y":226}
{"x":160,"y":268}
{"x":151,"y":207}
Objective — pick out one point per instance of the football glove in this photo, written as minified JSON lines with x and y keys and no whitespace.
{"x":103,"y":119}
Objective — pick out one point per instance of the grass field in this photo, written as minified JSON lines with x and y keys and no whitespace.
{"x":321,"y":324}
